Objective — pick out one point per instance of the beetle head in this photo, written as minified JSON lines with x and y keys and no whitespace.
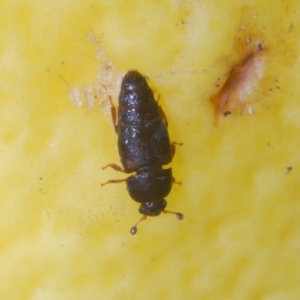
{"x":153,"y":208}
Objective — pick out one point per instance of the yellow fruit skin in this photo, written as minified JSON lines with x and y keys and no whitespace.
{"x":63,"y":236}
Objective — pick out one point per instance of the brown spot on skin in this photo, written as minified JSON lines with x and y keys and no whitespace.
{"x":289,"y":169}
{"x":240,"y":84}
{"x":226,"y":113}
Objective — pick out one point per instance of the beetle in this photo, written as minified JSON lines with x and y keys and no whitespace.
{"x":144,"y":146}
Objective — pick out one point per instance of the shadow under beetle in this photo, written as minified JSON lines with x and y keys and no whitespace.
{"x":144,"y":146}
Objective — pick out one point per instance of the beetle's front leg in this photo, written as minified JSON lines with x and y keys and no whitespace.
{"x":176,"y":181}
{"x":113,"y":114}
{"x":113,"y":181}
{"x":117,"y":168}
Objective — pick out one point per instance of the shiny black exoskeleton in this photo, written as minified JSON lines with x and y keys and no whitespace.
{"x":144,"y":146}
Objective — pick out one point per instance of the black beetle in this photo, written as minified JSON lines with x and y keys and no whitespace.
{"x":144,"y":146}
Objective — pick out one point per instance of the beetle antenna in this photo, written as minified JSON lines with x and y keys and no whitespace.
{"x":179,"y":216}
{"x":133,"y":229}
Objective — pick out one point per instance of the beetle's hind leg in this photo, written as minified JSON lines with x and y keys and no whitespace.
{"x":161,"y":112}
{"x":113,"y":114}
{"x":115,"y":167}
{"x":173,"y":147}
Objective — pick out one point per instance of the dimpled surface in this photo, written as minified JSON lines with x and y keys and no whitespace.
{"x":63,"y":236}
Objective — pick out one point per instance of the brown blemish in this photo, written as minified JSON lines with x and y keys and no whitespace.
{"x":289,"y":169}
{"x":226,"y":113}
{"x":240,"y":84}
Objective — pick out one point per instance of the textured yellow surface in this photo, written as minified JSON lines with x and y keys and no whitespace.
{"x":62,"y":236}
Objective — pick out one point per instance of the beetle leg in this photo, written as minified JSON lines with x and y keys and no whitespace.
{"x":161,"y":112}
{"x":163,"y":116}
{"x":175,"y":181}
{"x":115,"y":167}
{"x":113,"y":114}
{"x":158,"y":97}
{"x":173,"y":146}
{"x":113,"y":181}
